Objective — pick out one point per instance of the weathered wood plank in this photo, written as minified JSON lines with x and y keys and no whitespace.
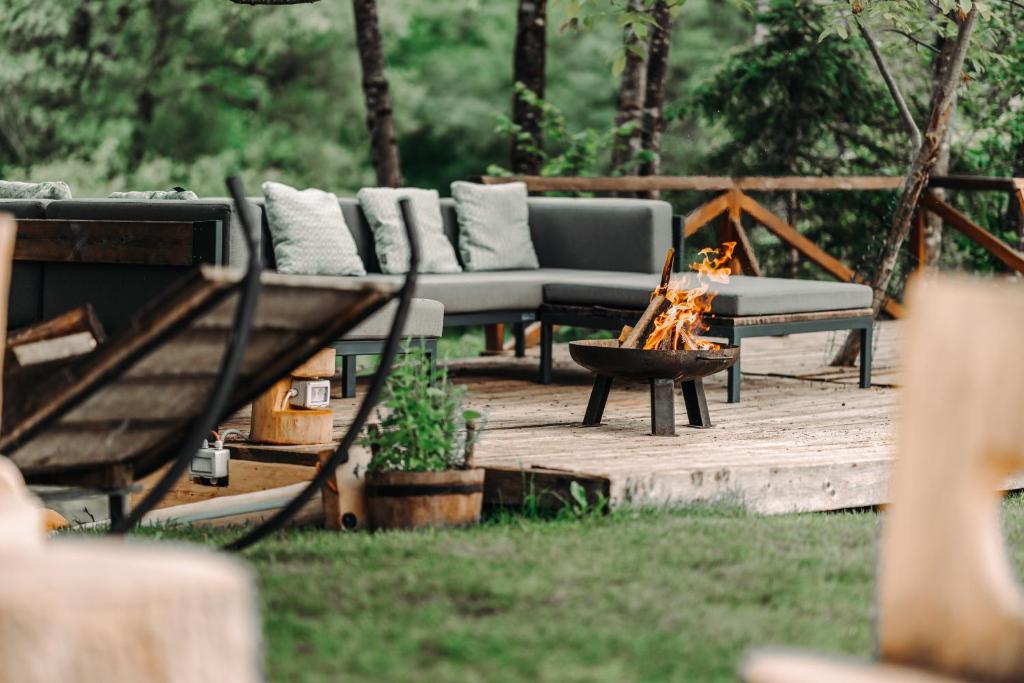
{"x":124,"y":242}
{"x":751,"y":183}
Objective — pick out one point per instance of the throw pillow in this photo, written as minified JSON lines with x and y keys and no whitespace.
{"x":309,"y":232}
{"x":174,"y":193}
{"x":380,"y":206}
{"x":12,"y":189}
{"x":494,"y":229}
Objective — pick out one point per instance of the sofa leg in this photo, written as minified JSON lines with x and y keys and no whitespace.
{"x":430,"y":351}
{"x":735,"y":376}
{"x":865,"y":356}
{"x":348,"y":376}
{"x":547,"y":341}
{"x":519,"y":331}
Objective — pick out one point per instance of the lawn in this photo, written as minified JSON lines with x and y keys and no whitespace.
{"x":634,"y":596}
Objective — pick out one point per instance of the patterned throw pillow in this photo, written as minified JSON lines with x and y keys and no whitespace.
{"x":12,"y":189}
{"x":309,"y":232}
{"x":175,"y":193}
{"x":494,"y":228}
{"x":380,"y":205}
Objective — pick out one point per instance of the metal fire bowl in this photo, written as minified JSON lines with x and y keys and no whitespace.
{"x":606,"y":357}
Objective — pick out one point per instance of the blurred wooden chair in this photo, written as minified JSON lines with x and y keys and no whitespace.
{"x":950,"y":606}
{"x":99,"y":610}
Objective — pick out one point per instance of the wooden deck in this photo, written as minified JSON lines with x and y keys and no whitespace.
{"x":804,"y":438}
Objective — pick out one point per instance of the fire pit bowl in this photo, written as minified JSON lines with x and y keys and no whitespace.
{"x":606,"y":357}
{"x":662,"y":369}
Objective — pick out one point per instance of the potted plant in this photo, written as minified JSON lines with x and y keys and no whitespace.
{"x":420,"y":473}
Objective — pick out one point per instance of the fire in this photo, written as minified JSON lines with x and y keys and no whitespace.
{"x":678,"y":327}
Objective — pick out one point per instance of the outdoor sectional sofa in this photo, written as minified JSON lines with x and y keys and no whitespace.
{"x":599,"y":260}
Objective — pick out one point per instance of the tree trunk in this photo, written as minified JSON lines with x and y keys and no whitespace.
{"x":528,"y":69}
{"x":380,"y":120}
{"x":630,"y":106}
{"x":654,"y":89}
{"x":943,"y":99}
{"x":933,"y":228}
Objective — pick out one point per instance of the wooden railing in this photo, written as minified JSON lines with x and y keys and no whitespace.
{"x":732,"y":201}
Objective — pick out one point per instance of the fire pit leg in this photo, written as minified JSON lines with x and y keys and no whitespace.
{"x":598,"y":399}
{"x":663,"y":410}
{"x":696,"y":403}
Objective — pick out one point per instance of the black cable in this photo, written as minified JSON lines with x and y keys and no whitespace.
{"x":387,"y":357}
{"x":231,"y":362}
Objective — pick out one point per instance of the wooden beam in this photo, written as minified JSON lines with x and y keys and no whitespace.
{"x":494,"y":339}
{"x":704,"y":214}
{"x":1018,"y":191}
{"x":124,"y":242}
{"x":917,"y":243}
{"x":992,"y":244}
{"x":698,"y":183}
{"x":791,"y":236}
{"x":748,"y":184}
{"x":744,"y":249}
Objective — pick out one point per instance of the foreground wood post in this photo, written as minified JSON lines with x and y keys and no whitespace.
{"x":949,"y":602}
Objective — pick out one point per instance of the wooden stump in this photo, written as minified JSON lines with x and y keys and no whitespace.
{"x":275,"y":421}
{"x":101,"y":611}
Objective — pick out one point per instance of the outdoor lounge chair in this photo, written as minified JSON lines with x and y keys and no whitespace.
{"x":118,"y":413}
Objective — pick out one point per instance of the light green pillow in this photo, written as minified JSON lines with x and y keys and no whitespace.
{"x":494,"y":227}
{"x":309,"y":232}
{"x":176,"y":193}
{"x":380,"y":206}
{"x":12,"y":189}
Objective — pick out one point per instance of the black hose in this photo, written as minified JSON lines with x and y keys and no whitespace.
{"x":230,"y":365}
{"x":387,"y":357}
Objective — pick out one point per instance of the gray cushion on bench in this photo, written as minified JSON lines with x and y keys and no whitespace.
{"x":426,"y":319}
{"x":741,"y":296}
{"x":504,"y":290}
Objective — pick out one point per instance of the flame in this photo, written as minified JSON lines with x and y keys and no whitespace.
{"x":679,"y":326}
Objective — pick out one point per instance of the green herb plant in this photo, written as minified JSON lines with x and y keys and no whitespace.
{"x":423,"y":426}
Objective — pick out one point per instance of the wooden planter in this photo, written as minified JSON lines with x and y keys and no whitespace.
{"x":413,"y":500}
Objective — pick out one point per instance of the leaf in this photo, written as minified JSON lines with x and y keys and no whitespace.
{"x":619,"y":65}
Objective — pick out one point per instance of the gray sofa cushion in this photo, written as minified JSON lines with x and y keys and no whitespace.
{"x":601,"y":234}
{"x":506,"y":290}
{"x":426,"y":319}
{"x":235,"y":252}
{"x":741,"y":296}
{"x":494,"y":228}
{"x":380,"y":206}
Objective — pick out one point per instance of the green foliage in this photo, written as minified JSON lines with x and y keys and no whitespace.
{"x":565,"y":152}
{"x":793,"y":105}
{"x":424,"y":426}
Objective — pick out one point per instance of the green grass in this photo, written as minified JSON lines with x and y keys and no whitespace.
{"x":643,"y":596}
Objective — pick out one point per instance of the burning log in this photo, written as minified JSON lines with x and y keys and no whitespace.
{"x":674,"y":318}
{"x":638,"y":334}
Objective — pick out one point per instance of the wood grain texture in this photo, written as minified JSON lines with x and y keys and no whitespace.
{"x":124,"y":242}
{"x":130,"y":400}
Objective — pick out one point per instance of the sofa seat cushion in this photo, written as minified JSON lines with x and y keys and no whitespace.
{"x":426,"y":319}
{"x":504,"y":290}
{"x":741,"y":296}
